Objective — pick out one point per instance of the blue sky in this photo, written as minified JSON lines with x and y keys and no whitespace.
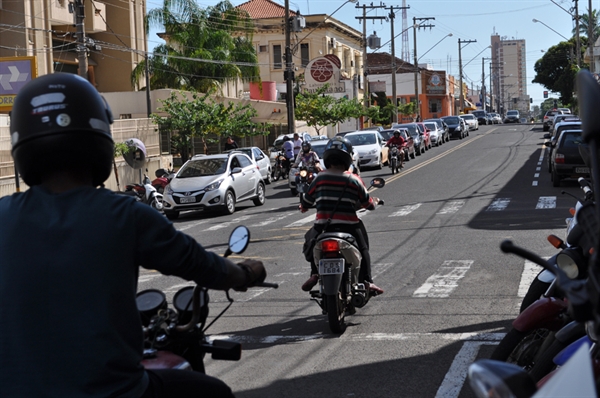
{"x":466,"y":20}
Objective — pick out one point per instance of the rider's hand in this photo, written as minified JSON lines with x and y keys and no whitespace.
{"x":255,"y":274}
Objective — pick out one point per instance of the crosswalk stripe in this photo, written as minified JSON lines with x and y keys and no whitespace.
{"x":405,"y":210}
{"x":228,"y":223}
{"x":445,"y":280}
{"x":271,"y":220}
{"x":546,"y":202}
{"x":498,"y":204}
{"x":452,"y":207}
{"x":530,"y":271}
{"x":301,"y":222}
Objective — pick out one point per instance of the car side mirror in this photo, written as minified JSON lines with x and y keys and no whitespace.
{"x":236,"y":170}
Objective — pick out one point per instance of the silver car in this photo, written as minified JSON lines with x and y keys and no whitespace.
{"x":260,"y":158}
{"x":214,"y":182}
{"x":471,"y":121}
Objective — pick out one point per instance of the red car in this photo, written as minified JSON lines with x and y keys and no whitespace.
{"x":426,"y":137}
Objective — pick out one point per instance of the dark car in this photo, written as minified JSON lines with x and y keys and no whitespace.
{"x":482,"y":117}
{"x":512,"y":116}
{"x":415,"y":133}
{"x":566,"y":160}
{"x":443,"y":126}
{"x":560,"y":127}
{"x":457,"y":127}
{"x":409,"y":151}
{"x":549,"y":118}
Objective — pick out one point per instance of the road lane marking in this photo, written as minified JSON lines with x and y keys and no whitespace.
{"x":530,"y":271}
{"x":228,"y":223}
{"x":271,"y":220}
{"x":301,"y":222}
{"x":452,"y":207}
{"x":445,"y":280}
{"x":546,"y":202}
{"x":498,"y":204}
{"x":405,"y":210}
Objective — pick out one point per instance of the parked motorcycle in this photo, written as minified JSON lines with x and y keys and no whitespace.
{"x":145,"y":193}
{"x":175,"y":338}
{"x":338,"y":258}
{"x":395,"y":161}
{"x":163,"y":178}
{"x":281,"y":168}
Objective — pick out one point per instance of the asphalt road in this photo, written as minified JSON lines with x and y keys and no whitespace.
{"x":450,"y":294}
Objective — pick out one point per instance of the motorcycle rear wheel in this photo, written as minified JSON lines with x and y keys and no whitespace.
{"x":276,"y":174}
{"x":520,"y":348}
{"x":335,"y":313}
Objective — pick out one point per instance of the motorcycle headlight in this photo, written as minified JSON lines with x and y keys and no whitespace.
{"x":571,"y":262}
{"x":303,"y":173}
{"x":213,"y":186}
{"x":495,"y":379}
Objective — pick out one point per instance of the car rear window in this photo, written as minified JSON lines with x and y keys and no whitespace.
{"x":571,"y":139}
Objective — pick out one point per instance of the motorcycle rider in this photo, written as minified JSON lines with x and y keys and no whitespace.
{"x":288,"y":152}
{"x":308,"y":158}
{"x":324,"y":193}
{"x":71,"y":254}
{"x":397,"y":140}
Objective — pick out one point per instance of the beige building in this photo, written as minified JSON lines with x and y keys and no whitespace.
{"x":509,"y":66}
{"x":45,"y":29}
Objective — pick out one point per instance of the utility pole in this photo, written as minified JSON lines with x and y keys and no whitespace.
{"x":591,"y":41}
{"x":80,"y":34}
{"x":462,"y":97}
{"x":415,"y":27}
{"x":289,"y":72}
{"x":364,"y":46}
{"x":577,"y":42}
{"x":394,"y":95}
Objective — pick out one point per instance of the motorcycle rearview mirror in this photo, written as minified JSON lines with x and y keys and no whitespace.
{"x":238,"y":240}
{"x":378,"y":182}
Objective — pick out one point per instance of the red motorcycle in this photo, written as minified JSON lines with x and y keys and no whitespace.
{"x":163,"y":178}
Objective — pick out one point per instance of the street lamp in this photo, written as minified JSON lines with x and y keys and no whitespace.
{"x":448,"y":35}
{"x":535,"y":20}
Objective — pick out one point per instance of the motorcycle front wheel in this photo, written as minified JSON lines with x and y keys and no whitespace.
{"x":276,"y":174}
{"x":520,"y":348}
{"x":335,"y":313}
{"x":394,"y":165}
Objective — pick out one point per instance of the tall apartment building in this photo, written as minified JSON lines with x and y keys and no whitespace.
{"x":45,"y":29}
{"x":509,"y":74}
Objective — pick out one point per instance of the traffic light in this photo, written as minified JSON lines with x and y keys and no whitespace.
{"x":545,"y":94}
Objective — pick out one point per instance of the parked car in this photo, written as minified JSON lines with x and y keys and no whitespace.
{"x":318,"y":145}
{"x":409,"y":151}
{"x":549,"y":117}
{"x":415,"y":133}
{"x":512,"y":116}
{"x":214,"y":182}
{"x":442,"y":126}
{"x":260,"y":158}
{"x":482,"y":117}
{"x":279,"y":140}
{"x":565,"y":110}
{"x":559,"y":128}
{"x":566,"y":160}
{"x":435,"y":133}
{"x":456,"y":127}
{"x":370,"y":148}
{"x":425,"y":134}
{"x":496,"y":118}
{"x":471,"y":121}
{"x":559,"y":118}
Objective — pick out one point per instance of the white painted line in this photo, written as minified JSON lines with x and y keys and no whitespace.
{"x":456,"y":376}
{"x":379,"y":268}
{"x":498,"y":204}
{"x":445,"y":280}
{"x":536,"y":175}
{"x":534,"y":184}
{"x":546,"y":202}
{"x":530,"y":271}
{"x":148,"y":277}
{"x":299,"y":223}
{"x":191,"y":225}
{"x":538,"y":169}
{"x":452,"y":207}
{"x":405,"y":210}
{"x":228,"y":223}
{"x":271,"y":220}
{"x":176,"y":288}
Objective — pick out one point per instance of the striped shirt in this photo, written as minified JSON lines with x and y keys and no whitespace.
{"x":325,"y":191}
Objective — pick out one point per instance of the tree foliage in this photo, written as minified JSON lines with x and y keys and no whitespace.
{"x":201,"y":116}
{"x":320,"y":110}
{"x":556,"y":70}
{"x":220,"y":35}
{"x":584,"y":23}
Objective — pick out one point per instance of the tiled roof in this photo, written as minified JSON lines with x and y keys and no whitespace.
{"x":264,"y":9}
{"x":381,"y":64}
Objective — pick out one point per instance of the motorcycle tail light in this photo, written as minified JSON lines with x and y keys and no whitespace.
{"x":330,"y":246}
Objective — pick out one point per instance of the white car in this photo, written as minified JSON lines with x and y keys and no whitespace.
{"x":471,"y":121}
{"x":263,"y":162}
{"x":370,"y":146}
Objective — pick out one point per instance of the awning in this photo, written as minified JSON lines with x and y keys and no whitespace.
{"x":69,"y":57}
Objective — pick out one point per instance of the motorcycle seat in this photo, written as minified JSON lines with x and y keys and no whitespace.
{"x":339,"y":235}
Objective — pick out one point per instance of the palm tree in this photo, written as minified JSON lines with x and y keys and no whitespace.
{"x":584,"y":23}
{"x":220,"y":36}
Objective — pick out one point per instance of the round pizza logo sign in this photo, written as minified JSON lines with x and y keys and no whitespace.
{"x":321,"y":70}
{"x":324,"y":70}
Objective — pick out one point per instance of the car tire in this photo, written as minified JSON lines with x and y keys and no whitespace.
{"x":260,"y":195}
{"x":555,"y":179}
{"x":380,"y":165}
{"x":172,"y":215}
{"x":229,"y":202}
{"x":546,"y":128}
{"x":268,"y":179}
{"x":413,"y":154}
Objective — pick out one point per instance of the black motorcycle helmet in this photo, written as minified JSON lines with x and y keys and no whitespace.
{"x":306,"y":147}
{"x":338,"y":151}
{"x":60,"y":122}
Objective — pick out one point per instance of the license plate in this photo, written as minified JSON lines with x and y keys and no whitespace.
{"x":331,"y":266}
{"x":190,"y":199}
{"x":582,"y":170}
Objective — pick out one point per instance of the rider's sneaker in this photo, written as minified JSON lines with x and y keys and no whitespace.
{"x":374,"y":290}
{"x":310,"y":283}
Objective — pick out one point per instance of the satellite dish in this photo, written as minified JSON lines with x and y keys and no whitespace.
{"x":136,"y":157}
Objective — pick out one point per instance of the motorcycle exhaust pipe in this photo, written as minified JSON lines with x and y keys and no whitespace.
{"x":359,"y":296}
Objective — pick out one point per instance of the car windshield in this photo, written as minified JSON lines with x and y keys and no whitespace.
{"x":452,"y":120}
{"x":319,"y":149}
{"x":202,"y":168}
{"x":412,"y":128}
{"x":247,"y":151}
{"x":479,"y":113}
{"x":431,"y":126}
{"x":467,"y":116}
{"x":512,"y":113}
{"x":362,"y":139}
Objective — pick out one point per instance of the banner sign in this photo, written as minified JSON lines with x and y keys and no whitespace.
{"x":15,"y":72}
{"x":324,"y":70}
{"x":435,"y":82}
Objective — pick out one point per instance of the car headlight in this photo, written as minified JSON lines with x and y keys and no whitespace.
{"x":213,"y":186}
{"x":168,"y":190}
{"x":489,"y":378}
{"x":372,"y":151}
{"x":571,"y":262}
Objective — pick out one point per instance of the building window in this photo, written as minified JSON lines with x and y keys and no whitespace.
{"x":435,"y":105}
{"x":277,"y":61}
{"x":304,"y":55}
